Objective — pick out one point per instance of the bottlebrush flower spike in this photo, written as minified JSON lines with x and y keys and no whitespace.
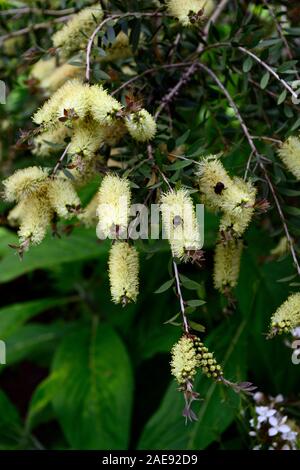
{"x":213,"y":181}
{"x":123,"y":273}
{"x":289,"y":152}
{"x":86,"y":140}
{"x":120,"y":49}
{"x":287,"y":316}
{"x":233,"y":196}
{"x":184,"y":10}
{"x":103,"y":107}
{"x":71,"y":95}
{"x":63,"y":197}
{"x":113,"y":210}
{"x":74,"y":35}
{"x":238,"y":205}
{"x":188,"y":355}
{"x":53,"y":81}
{"x":180,"y":223}
{"x":24,"y":183}
{"x":35,"y":219}
{"x":141,"y":125}
{"x":76,"y":99}
{"x":184,"y":361}
{"x":227,"y":264}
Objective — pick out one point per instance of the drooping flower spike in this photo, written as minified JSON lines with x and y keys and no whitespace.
{"x":123,"y":273}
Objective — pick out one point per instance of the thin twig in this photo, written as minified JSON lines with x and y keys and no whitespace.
{"x":59,"y":162}
{"x":29,"y":10}
{"x":164,"y":178}
{"x":181,"y":301}
{"x":281,"y":33}
{"x":265,"y":137}
{"x":269,"y":69}
{"x":149,"y":71}
{"x":259,"y":160}
{"x":34,"y":27}
{"x":103,"y":23}
{"x":171,"y":94}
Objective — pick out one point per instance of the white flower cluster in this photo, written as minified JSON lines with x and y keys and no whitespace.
{"x":270,"y":427}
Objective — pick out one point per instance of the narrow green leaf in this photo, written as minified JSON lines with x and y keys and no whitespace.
{"x":164,"y":287}
{"x":282,"y":97}
{"x":265,"y":80}
{"x":195,"y":303}
{"x":189,"y":283}
{"x":183,"y":138}
{"x":247,"y":65}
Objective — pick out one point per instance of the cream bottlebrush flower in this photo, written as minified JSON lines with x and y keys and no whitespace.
{"x":183,"y":9}
{"x":180,"y":223}
{"x":35,"y":220}
{"x":63,"y":197}
{"x":74,"y":35}
{"x":237,"y":202}
{"x":123,"y":273}
{"x":86,"y":140}
{"x":113,"y":210}
{"x":141,"y":125}
{"x":120,"y":49}
{"x":15,"y":214}
{"x":227,"y":264}
{"x":51,"y":110}
{"x":53,"y":81}
{"x":49,"y":141}
{"x":89,"y":215}
{"x":103,"y":107}
{"x":76,"y":98}
{"x":72,"y":95}
{"x":287,"y":316}
{"x":43,"y":68}
{"x":289,"y":153}
{"x":184,"y":362}
{"x":213,"y":180}
{"x":23,"y":183}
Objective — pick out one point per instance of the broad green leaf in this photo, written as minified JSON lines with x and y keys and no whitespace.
{"x":8,"y":412}
{"x":40,"y":406}
{"x":6,"y":237}
{"x":13,"y":316}
{"x":10,"y":423}
{"x":33,"y":340}
{"x":166,"y":429}
{"x":93,"y":400}
{"x":80,"y":245}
